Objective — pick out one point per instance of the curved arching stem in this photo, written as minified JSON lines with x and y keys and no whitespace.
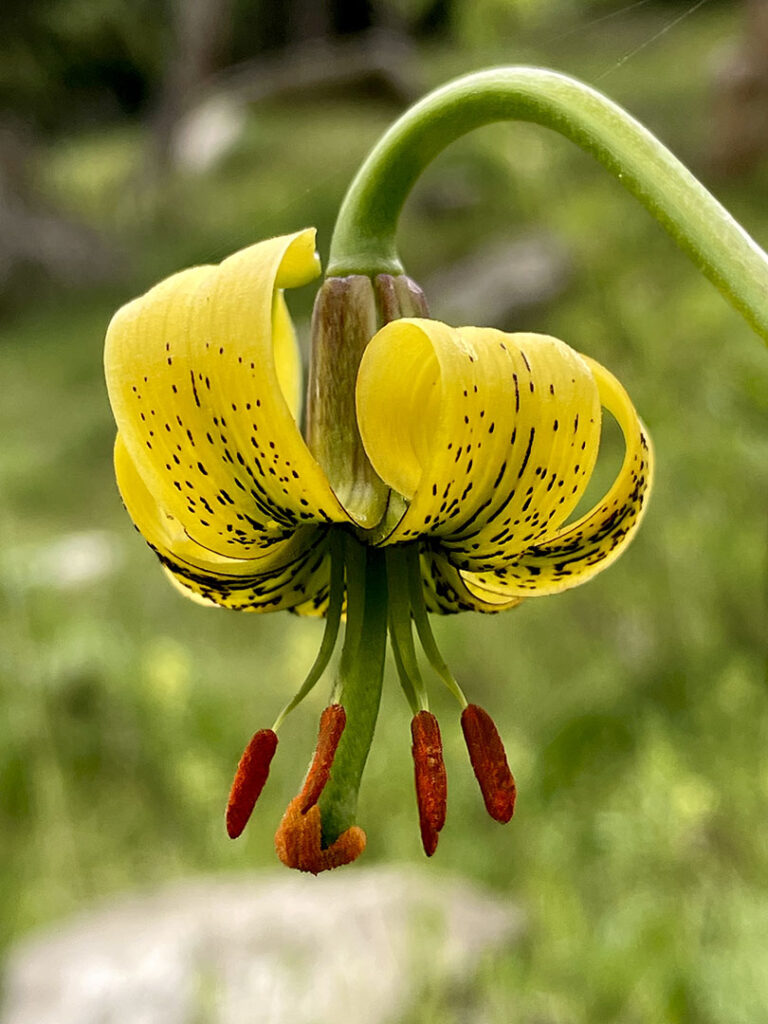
{"x":364,"y":238}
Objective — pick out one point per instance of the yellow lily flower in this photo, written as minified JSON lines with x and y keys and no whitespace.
{"x":474,"y":448}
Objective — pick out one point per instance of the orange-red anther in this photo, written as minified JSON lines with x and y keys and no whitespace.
{"x":332,"y":722}
{"x":431,"y":782}
{"x":251,"y":774}
{"x":489,"y":761}
{"x":298,"y":841}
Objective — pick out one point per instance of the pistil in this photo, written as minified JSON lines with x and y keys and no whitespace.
{"x":299,"y":845}
{"x":358,"y":683}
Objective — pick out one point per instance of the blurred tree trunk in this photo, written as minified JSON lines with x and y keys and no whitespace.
{"x":436,"y":19}
{"x":312,"y":20}
{"x":741,"y":100}
{"x":36,"y":240}
{"x":324,"y":19}
{"x":200,"y":38}
{"x":302,"y":46}
{"x":200,"y":33}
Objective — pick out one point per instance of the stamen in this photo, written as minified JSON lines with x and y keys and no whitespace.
{"x":251,"y":774}
{"x":423,"y":628}
{"x":431,"y":783}
{"x":332,"y":620}
{"x":332,"y":722}
{"x":401,"y":632}
{"x":402,"y":675}
{"x":489,"y":761}
{"x":298,"y":841}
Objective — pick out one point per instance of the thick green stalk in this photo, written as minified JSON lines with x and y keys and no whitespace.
{"x":364,"y":239}
{"x":358,"y":688}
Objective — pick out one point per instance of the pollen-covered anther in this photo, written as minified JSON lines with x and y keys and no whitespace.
{"x":251,"y":774}
{"x":489,"y":762}
{"x":431,"y":782}
{"x":332,"y":722}
{"x":299,"y":841}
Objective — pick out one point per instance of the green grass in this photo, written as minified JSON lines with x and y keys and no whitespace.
{"x":634,"y":708}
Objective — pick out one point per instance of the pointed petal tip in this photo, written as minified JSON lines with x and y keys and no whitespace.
{"x":250,"y":778}
{"x":300,"y":263}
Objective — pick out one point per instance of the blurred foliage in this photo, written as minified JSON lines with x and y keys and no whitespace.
{"x":59,"y":58}
{"x":88,"y":60}
{"x":635,"y":708}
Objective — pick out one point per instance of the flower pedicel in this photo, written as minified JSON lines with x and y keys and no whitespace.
{"x":439,"y":468}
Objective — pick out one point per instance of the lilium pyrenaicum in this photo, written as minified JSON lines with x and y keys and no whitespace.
{"x":447,"y":485}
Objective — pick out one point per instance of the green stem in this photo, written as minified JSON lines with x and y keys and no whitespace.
{"x":364,"y":238}
{"x":361,"y":671}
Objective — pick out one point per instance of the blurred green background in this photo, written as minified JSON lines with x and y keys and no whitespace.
{"x":634,"y":709}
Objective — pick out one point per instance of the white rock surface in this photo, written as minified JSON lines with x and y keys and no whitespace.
{"x":356,"y":945}
{"x":66,"y":562}
{"x":208,"y":133}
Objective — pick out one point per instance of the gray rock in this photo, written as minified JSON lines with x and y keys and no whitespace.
{"x":208,"y":133}
{"x":492,"y":285}
{"x":355,"y":945}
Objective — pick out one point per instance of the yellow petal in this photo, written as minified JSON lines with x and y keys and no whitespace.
{"x":290,"y":572}
{"x":203,"y":379}
{"x":445,"y":592}
{"x":579,"y":551}
{"x":490,"y":437}
{"x":287,"y":356}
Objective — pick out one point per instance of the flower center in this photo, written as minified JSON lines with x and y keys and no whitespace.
{"x":382,"y":593}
